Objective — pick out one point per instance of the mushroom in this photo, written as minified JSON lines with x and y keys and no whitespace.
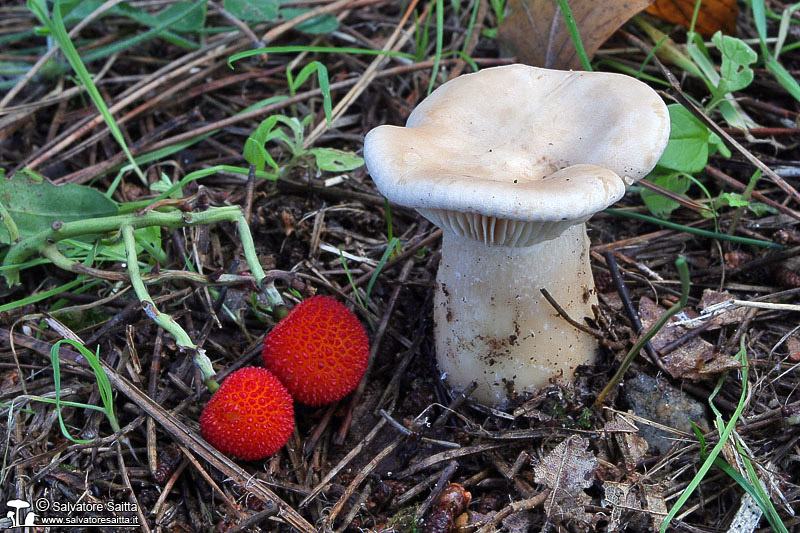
{"x":510,"y":162}
{"x":15,"y":515}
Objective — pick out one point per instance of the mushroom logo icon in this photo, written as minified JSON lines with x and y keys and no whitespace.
{"x":16,"y":515}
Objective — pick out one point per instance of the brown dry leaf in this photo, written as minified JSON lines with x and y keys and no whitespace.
{"x":695,"y":359}
{"x":620,"y":424}
{"x":714,"y":15}
{"x":733,"y":315}
{"x":633,"y":447}
{"x":567,"y":470}
{"x":519,"y":522}
{"x":621,"y":497}
{"x":655,"y":504}
{"x":534,"y":30}
{"x":627,"y":496}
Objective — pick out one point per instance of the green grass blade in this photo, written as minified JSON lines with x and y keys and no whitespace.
{"x":464,"y":57}
{"x":41,"y":295}
{"x":695,"y":231}
{"x":709,"y":461}
{"x":572,"y":28}
{"x":152,"y":33}
{"x":57,"y":380}
{"x":632,"y":71}
{"x":470,"y":27}
{"x":683,"y":271}
{"x":315,"y":49}
{"x":59,"y":32}
{"x":439,"y":38}
{"x":784,"y":78}
{"x":385,"y":257}
{"x":103,"y":385}
{"x":325,"y":87}
{"x":350,"y":279}
{"x":760,"y":18}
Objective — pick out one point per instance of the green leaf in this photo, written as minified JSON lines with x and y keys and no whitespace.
{"x":75,"y":11}
{"x":734,"y":199}
{"x":324,"y":84}
{"x":34,"y":206}
{"x":661,"y":206}
{"x":334,"y":160}
{"x":315,"y":26}
{"x":783,"y":76}
{"x":736,"y":56}
{"x":165,"y":184}
{"x":687,"y":150}
{"x":715,"y":144}
{"x":192,"y":19}
{"x":253,"y":10}
{"x":699,"y":53}
{"x":254,"y":153}
{"x":761,"y":209}
{"x":147,"y":240}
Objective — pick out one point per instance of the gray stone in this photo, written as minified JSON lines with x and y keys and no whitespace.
{"x":660,"y":402}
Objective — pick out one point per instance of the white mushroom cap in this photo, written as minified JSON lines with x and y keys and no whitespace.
{"x":488,"y":153}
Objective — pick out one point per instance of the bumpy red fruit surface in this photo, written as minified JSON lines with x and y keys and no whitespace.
{"x":250,"y":417}
{"x":319,"y":351}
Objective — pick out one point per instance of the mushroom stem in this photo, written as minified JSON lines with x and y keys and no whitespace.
{"x":494,"y":326}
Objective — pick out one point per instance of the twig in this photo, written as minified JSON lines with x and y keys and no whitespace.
{"x":625,"y":296}
{"x":359,"y":477}
{"x":177,"y":429}
{"x":514,"y":507}
{"x":167,"y":489}
{"x":301,"y":97}
{"x":683,"y":271}
{"x":355,"y":508}
{"x":599,"y":335}
{"x":280,"y":29}
{"x":405,"y":431}
{"x":376,"y":343}
{"x":161,"y":76}
{"x":447,"y":456}
{"x":188,"y":454}
{"x":396,"y":40}
{"x":713,"y":126}
{"x":248,"y":199}
{"x":719,"y":175}
{"x":126,"y":480}
{"x":410,"y":250}
{"x":444,"y":478}
{"x":255,"y":520}
{"x":352,"y":454}
{"x":244,"y":28}
{"x":677,"y":343}
{"x":152,"y":390}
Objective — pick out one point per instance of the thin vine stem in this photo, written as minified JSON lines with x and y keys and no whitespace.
{"x":182,"y":338}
